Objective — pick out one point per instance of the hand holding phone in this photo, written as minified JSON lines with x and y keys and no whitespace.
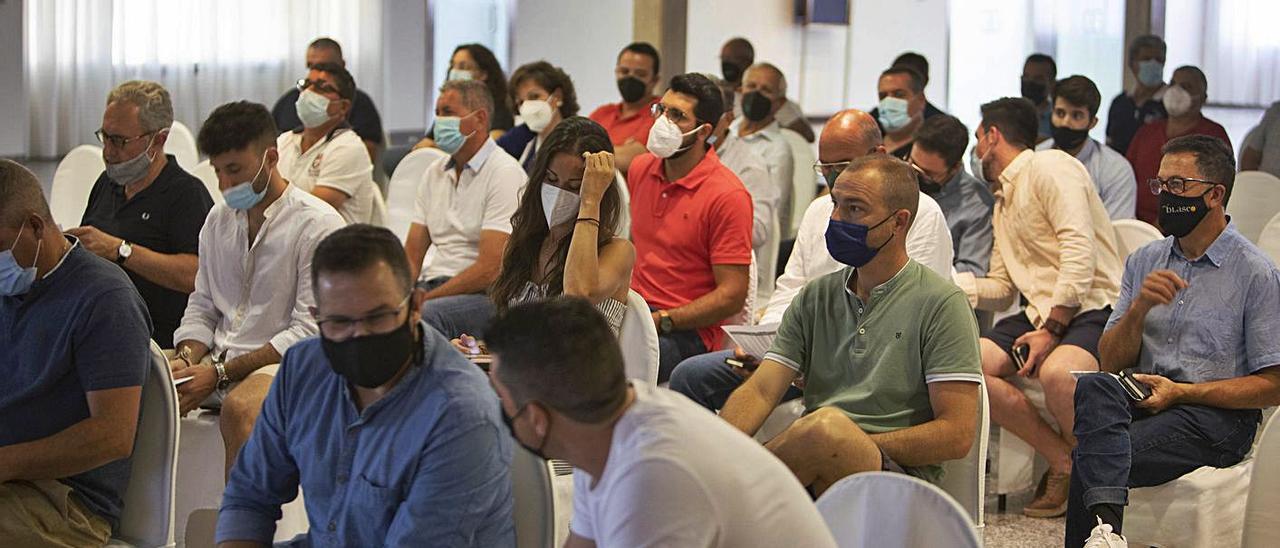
{"x":1136,"y":389}
{"x":1020,"y":354}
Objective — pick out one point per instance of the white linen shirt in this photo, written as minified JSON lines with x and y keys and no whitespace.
{"x":771,"y":147}
{"x":339,"y":161}
{"x":456,"y":209}
{"x":928,"y":243}
{"x":247,"y":296}
{"x":750,"y":169}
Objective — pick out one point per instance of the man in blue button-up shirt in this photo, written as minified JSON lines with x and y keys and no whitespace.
{"x":1198,"y":317}
{"x":392,"y":434}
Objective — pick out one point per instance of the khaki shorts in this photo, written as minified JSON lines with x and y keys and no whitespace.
{"x":43,"y":513}
{"x":214,"y":401}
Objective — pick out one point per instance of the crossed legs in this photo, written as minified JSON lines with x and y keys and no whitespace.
{"x":824,"y":446}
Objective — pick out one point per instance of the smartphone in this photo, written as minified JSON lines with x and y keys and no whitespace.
{"x":734,"y":362}
{"x":1020,"y":354}
{"x":1136,"y":389}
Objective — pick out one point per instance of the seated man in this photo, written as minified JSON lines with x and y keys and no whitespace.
{"x":1142,"y":103}
{"x":145,"y":211}
{"x":1039,"y":73}
{"x":736,"y":57}
{"x":384,"y":426}
{"x":1197,"y":319}
{"x":324,"y":156}
{"x":850,"y":134}
{"x":650,"y":468}
{"x":252,"y":287}
{"x":920,"y":64}
{"x":363,"y":115}
{"x":465,"y":204}
{"x":764,"y":92}
{"x":736,"y":155}
{"x":1262,"y":145}
{"x":966,"y":202}
{"x":75,"y":352}
{"x":691,"y":225}
{"x":888,"y":349}
{"x":628,"y":121}
{"x":1075,"y":111}
{"x":1054,"y":247}
{"x":901,"y":109}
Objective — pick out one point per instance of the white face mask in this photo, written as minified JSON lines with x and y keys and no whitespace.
{"x":458,"y":74}
{"x":665,"y":138}
{"x":558,"y":205}
{"x":1176,"y":100}
{"x":536,"y":114}
{"x":313,"y":109}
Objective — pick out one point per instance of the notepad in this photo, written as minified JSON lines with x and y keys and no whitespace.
{"x":755,"y":340}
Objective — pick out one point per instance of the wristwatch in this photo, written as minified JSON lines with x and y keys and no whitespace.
{"x":1055,"y":328}
{"x":124,"y":251}
{"x":219,"y":366}
{"x":665,"y":325}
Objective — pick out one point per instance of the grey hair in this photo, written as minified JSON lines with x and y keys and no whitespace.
{"x":475,"y":94}
{"x":20,"y":194}
{"x":155,"y":108}
{"x":1147,"y":41}
{"x":782,"y":78}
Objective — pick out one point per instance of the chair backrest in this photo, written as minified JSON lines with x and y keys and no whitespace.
{"x":767,"y":266}
{"x":204,"y":171}
{"x":1253,"y":202}
{"x":72,"y":182}
{"x":803,"y":180}
{"x":1261,"y":528}
{"x":748,"y":314}
{"x":891,"y":510}
{"x":1132,"y":234}
{"x":148,"y":514}
{"x":402,"y":191}
{"x":624,"y":217}
{"x":1269,"y":241}
{"x":379,"y":217}
{"x":966,"y":479}
{"x":533,"y":499}
{"x":182,"y":145}
{"x":639,"y":340}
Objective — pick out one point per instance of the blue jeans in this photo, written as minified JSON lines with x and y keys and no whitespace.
{"x":456,"y":315}
{"x":708,"y":381}
{"x":675,"y":347}
{"x":1121,"y":446}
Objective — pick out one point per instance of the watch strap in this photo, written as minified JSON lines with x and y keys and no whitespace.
{"x":1055,"y":328}
{"x":122,"y":257}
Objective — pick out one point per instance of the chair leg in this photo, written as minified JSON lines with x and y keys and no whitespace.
{"x":1001,"y":501}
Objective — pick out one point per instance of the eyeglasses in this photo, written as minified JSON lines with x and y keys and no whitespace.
{"x":319,"y":86}
{"x":834,"y":167}
{"x":1176,"y":185}
{"x":116,"y":140}
{"x":339,"y":328}
{"x":672,"y":113}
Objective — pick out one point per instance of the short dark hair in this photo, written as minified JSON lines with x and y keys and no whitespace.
{"x":1042,"y":58}
{"x":325,"y":42}
{"x":710,"y":101}
{"x":20,"y":194}
{"x":917,"y":81}
{"x":899,"y":188}
{"x":354,"y":248}
{"x":944,"y":135}
{"x":1079,"y":91}
{"x":572,"y":364}
{"x":550,"y":78}
{"x":914,"y":61}
{"x":1015,"y":116}
{"x":740,"y":43}
{"x":1146,"y":41}
{"x":1214,"y":159}
{"x":644,"y":48}
{"x":343,"y":81}
{"x":1199,"y":74}
{"x":235,"y":126}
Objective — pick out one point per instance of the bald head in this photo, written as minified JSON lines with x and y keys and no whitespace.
{"x":849,"y":134}
{"x":20,"y":195}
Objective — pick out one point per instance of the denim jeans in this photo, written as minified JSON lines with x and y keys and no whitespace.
{"x":675,"y":347}
{"x":1122,"y":446}
{"x":708,"y":381}
{"x":456,"y":315}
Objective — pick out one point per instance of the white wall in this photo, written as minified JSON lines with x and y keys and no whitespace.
{"x":768,"y":24}
{"x":13,"y":86}
{"x":883,"y":30}
{"x":403,"y":105}
{"x":582,"y":38}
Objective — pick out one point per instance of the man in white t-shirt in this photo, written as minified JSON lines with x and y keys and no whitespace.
{"x":651,"y":468}
{"x":325,"y":156}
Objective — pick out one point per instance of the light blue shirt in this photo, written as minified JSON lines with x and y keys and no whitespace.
{"x":966,"y":203}
{"x":1112,"y":175}
{"x":426,"y":465}
{"x":1225,"y":324}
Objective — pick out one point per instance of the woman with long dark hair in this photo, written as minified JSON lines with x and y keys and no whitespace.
{"x":476,"y":62}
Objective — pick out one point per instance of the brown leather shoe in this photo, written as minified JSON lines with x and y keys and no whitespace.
{"x":1052,"y":500}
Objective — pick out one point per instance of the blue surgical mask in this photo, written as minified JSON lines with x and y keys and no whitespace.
{"x":312,"y":109}
{"x":242,"y":196}
{"x":448,"y":133}
{"x":14,"y":279}
{"x":1150,"y":72}
{"x":847,"y":242}
{"x":893,"y":114}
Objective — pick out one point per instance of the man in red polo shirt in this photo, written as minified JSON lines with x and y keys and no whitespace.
{"x":628,"y":122}
{"x":1185,"y":96}
{"x":690,"y":223}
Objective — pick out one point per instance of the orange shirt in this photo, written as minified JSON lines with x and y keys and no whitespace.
{"x":620,"y":128}
{"x":681,"y":228}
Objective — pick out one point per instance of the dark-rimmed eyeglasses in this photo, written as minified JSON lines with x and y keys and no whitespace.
{"x":1176,"y":185}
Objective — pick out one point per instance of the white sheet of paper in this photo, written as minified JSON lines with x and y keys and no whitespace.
{"x":176,"y":382}
{"x":755,"y":340}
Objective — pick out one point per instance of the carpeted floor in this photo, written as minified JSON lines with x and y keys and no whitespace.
{"x":1011,"y":529}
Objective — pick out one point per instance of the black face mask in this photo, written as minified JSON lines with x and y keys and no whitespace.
{"x":631,"y":88}
{"x":370,"y":361}
{"x":511,"y":428}
{"x":1179,"y":215}
{"x":755,"y":106}
{"x":1065,"y":138}
{"x":732,"y":73}
{"x":1034,"y":91}
{"x":928,"y":186}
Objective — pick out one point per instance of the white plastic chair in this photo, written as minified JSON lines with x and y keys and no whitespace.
{"x":72,"y":182}
{"x":148,"y":514}
{"x":767,"y":266}
{"x":1269,"y":241}
{"x":402,"y":191}
{"x":639,"y":340}
{"x":803,"y":182}
{"x":204,"y":171}
{"x":1132,"y":234}
{"x":624,"y":216}
{"x":1253,"y":202}
{"x":379,"y":217}
{"x":1261,"y":528}
{"x":533,"y":499}
{"x":889,"y":510}
{"x":182,"y":145}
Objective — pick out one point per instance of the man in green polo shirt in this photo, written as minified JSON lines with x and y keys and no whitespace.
{"x":888,"y":349}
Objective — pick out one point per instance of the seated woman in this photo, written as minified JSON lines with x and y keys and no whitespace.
{"x":543,"y":95}
{"x":563,"y":237}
